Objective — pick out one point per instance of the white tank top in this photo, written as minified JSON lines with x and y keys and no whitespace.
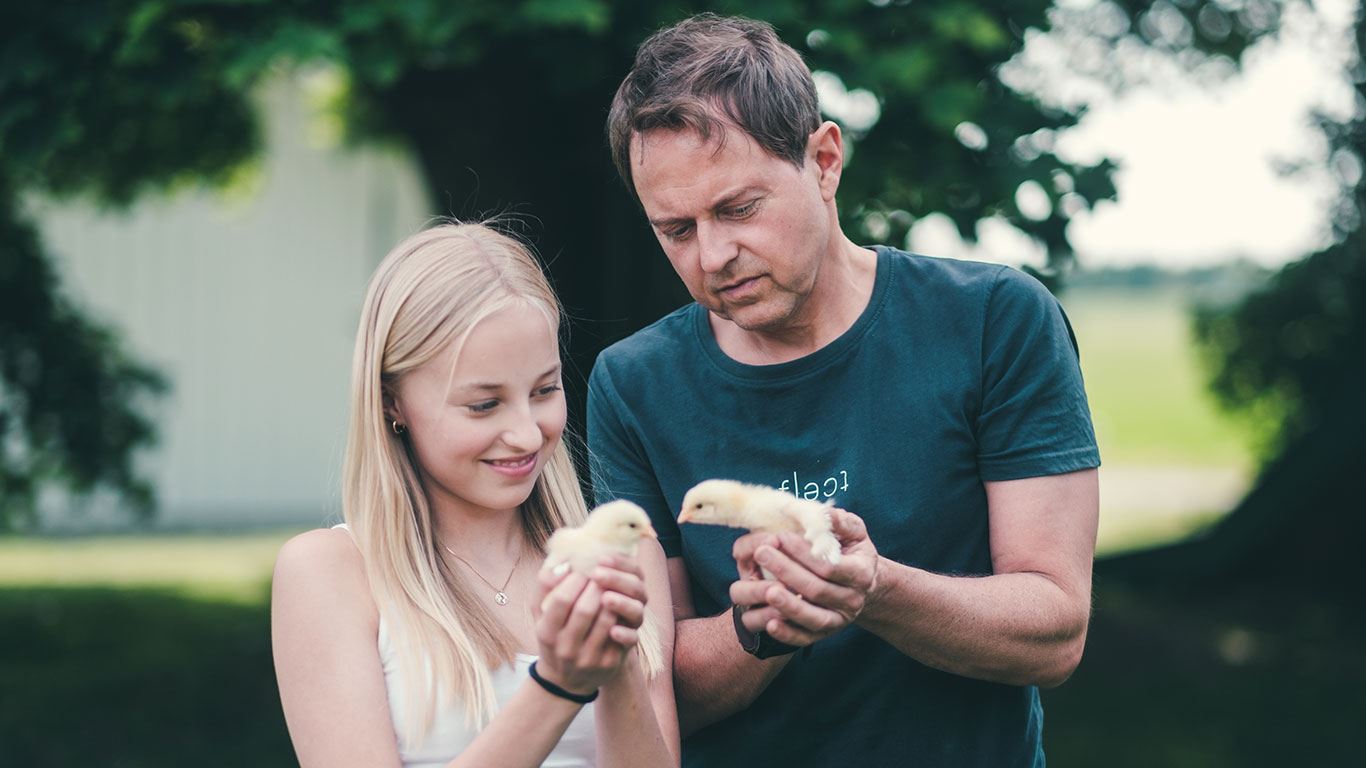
{"x":449,"y":736}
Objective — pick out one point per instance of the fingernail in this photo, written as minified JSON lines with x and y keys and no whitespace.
{"x":763,"y":555}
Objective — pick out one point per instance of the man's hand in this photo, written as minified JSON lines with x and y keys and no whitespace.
{"x":808,"y":598}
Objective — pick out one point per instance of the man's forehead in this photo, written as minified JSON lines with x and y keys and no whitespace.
{"x":673,"y":168}
{"x":724,"y":140}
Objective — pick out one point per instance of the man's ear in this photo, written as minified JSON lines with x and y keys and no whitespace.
{"x":825,"y":151}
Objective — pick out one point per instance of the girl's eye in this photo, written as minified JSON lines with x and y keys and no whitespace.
{"x":547,"y":391}
{"x":483,"y":407}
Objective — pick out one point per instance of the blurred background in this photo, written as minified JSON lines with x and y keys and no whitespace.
{"x":193,"y":194}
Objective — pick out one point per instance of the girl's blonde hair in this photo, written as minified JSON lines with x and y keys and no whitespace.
{"x":430,"y":291}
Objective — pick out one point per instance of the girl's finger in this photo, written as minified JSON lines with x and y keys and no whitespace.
{"x":629,"y":612}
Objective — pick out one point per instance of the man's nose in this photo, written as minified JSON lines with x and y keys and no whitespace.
{"x":716,"y":248}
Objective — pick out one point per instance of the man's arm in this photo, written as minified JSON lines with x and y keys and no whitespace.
{"x":1023,"y":625}
{"x":713,"y":676}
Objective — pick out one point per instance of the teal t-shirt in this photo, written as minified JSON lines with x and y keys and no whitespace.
{"x":955,"y":373}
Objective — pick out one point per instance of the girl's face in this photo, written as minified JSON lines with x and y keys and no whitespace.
{"x":483,"y":429}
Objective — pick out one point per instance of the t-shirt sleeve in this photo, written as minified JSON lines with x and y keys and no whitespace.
{"x":1034,"y":418}
{"x":618,"y":465}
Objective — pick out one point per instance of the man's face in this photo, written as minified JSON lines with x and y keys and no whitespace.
{"x":744,"y":230}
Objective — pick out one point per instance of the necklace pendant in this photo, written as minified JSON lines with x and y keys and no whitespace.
{"x":500,"y":598}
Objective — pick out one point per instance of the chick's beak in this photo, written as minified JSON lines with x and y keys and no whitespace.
{"x":685,"y":516}
{"x":649,"y":532}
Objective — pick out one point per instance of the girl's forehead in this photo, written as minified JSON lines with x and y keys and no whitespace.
{"x":514,"y":343}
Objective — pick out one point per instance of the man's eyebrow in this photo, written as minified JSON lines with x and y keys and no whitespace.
{"x":726,"y":200}
{"x":736,"y":195}
{"x":663,"y":223}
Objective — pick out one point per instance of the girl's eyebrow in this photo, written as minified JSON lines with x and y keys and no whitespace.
{"x":495,"y":387}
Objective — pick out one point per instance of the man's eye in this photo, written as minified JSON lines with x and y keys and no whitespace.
{"x":483,"y":407}
{"x":744,"y":211}
{"x":680,"y":233}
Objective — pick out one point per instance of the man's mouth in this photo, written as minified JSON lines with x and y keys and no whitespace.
{"x":738,"y":287}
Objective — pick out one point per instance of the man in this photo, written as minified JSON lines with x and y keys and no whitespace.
{"x":939,"y":402}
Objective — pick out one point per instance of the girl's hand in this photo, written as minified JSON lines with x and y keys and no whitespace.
{"x":574,"y":630}
{"x":623,"y":586}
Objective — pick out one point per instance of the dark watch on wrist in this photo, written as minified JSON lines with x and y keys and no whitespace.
{"x":759,"y":644}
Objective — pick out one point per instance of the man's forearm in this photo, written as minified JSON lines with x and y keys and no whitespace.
{"x":713,"y":676}
{"x":1015,"y":628}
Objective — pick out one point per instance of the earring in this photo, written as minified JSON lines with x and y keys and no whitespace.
{"x":398,"y":429}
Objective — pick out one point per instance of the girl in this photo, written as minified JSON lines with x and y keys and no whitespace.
{"x":422,"y":632}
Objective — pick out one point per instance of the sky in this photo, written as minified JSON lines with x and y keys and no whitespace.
{"x":1198,"y":182}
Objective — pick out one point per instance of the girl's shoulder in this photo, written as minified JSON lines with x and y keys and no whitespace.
{"x":325,"y":562}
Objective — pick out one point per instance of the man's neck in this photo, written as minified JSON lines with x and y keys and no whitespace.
{"x":842,"y":291}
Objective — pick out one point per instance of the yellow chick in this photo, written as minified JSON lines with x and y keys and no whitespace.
{"x":614,"y":528}
{"x":760,"y":508}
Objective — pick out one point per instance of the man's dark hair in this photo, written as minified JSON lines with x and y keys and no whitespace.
{"x":709,"y":70}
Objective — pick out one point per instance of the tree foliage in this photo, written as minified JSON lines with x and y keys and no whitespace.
{"x":68,"y":393}
{"x":502,"y":104}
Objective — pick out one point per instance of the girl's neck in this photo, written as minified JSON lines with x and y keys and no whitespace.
{"x":490,"y":538}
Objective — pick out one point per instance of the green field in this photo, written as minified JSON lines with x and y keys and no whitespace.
{"x":164,"y":671}
{"x":1173,"y":461}
{"x":222,"y":568}
{"x":1145,"y":382}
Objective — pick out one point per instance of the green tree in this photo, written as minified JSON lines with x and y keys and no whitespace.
{"x":502,"y":104}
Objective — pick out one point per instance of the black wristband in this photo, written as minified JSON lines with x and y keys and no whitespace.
{"x":759,"y":644}
{"x":555,"y":690}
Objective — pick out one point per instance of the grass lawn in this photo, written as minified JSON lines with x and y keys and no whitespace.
{"x":133,"y":651}
{"x":1230,"y":680}
{"x":232,"y":568}
{"x":1173,"y":461}
{"x":1145,"y":382}
{"x":136,"y":676}
{"x":142,"y":675}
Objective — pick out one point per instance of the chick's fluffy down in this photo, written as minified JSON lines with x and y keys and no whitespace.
{"x":761,"y":508}
{"x":614,"y":528}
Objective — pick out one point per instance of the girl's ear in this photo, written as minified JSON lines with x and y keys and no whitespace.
{"x":393,"y":410}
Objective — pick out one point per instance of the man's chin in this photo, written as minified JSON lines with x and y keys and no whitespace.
{"x":754,"y":318}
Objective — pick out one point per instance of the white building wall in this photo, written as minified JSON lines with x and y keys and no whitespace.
{"x":249,"y":305}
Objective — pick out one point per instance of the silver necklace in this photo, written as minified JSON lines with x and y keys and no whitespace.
{"x":499,"y":593}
